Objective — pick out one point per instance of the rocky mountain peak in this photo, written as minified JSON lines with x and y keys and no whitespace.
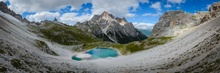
{"x":4,"y":8}
{"x":214,"y":11}
{"x":110,"y":28}
{"x":55,"y":19}
{"x":215,"y":7}
{"x":122,"y":21}
{"x":173,"y":23}
{"x":105,"y":15}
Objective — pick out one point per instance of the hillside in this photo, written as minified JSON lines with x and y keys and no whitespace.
{"x":46,"y":47}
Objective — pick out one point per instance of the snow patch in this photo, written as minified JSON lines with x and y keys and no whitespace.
{"x":83,"y":55}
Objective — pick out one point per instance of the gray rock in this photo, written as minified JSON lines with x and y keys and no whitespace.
{"x":110,"y":28}
{"x":214,"y":11}
{"x":4,"y":8}
{"x":173,"y":21}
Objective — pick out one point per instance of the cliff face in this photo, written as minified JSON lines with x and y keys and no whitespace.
{"x":110,"y":28}
{"x":214,"y":11}
{"x":173,"y":23}
{"x":4,"y":8}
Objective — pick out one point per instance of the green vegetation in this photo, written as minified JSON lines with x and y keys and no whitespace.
{"x":131,"y":47}
{"x":44,"y":47}
{"x":2,"y":51}
{"x":157,"y":40}
{"x":3,"y":69}
{"x":16,"y":63}
{"x":66,"y":35}
{"x":194,"y":16}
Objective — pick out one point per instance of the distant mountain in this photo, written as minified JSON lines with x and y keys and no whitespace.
{"x":146,"y":32}
{"x":110,"y":28}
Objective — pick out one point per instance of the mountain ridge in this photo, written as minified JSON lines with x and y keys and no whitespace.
{"x":24,"y":51}
{"x":113,"y":28}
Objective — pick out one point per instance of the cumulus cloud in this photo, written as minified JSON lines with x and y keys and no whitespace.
{"x":119,"y":8}
{"x":2,"y":0}
{"x":167,"y":6}
{"x":20,"y":6}
{"x":39,"y":16}
{"x":156,"y":6}
{"x":152,"y":14}
{"x":208,"y":6}
{"x":146,"y":26}
{"x":72,"y":18}
{"x":176,"y":1}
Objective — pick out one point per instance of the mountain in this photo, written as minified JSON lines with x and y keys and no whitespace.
{"x":146,"y":32}
{"x":214,"y":11}
{"x":173,"y":23}
{"x":110,"y":28}
{"x":4,"y":8}
{"x":22,"y":50}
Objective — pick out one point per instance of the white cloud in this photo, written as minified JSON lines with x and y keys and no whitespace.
{"x":156,"y":6}
{"x":39,"y":16}
{"x":2,"y":0}
{"x":72,"y":18}
{"x":130,"y":15}
{"x":152,"y":14}
{"x":20,"y":6}
{"x":176,"y":1}
{"x":119,"y":8}
{"x":167,"y":6}
{"x":147,"y":26}
{"x":208,"y":6}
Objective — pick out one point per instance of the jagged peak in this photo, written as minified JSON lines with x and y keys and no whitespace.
{"x":215,"y":7}
{"x":4,"y":8}
{"x":55,"y":19}
{"x":123,"y":21}
{"x":105,"y":15}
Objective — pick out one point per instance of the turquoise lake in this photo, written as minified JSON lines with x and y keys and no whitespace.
{"x":97,"y":53}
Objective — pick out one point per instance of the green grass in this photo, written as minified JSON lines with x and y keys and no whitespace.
{"x":16,"y":63}
{"x":130,"y":47}
{"x":2,"y":51}
{"x":66,"y":35}
{"x":44,"y":47}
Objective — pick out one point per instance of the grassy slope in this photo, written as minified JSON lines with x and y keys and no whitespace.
{"x":65,"y":35}
{"x":131,"y":47}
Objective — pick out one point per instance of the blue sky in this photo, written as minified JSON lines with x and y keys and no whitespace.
{"x":143,"y":13}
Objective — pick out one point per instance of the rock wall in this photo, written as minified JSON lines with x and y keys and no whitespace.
{"x":110,"y":28}
{"x":173,"y":23}
{"x":4,"y":8}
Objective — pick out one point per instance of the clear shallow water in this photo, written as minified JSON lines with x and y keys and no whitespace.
{"x":97,"y":53}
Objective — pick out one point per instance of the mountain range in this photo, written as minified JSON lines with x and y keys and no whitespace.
{"x":110,"y":28}
{"x":179,"y":43}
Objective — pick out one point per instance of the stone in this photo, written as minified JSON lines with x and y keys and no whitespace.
{"x":109,"y":28}
{"x":4,"y":8}
{"x":172,"y":22}
{"x":214,"y":11}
